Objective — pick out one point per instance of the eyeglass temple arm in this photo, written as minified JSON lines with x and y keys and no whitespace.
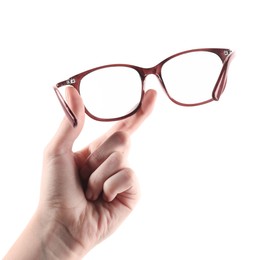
{"x":222,"y":80}
{"x":68,"y":112}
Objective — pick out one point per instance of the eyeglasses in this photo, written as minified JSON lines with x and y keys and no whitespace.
{"x":114,"y":92}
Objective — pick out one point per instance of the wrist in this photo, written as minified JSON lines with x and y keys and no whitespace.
{"x":57,"y":241}
{"x":43,"y":239}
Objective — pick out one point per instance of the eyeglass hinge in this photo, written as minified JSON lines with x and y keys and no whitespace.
{"x":70,"y":81}
{"x":227,"y":52}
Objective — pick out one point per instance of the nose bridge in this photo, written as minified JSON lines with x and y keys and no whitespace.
{"x":152,"y":71}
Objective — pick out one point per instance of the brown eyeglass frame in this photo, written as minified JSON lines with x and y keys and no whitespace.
{"x":226,"y":56}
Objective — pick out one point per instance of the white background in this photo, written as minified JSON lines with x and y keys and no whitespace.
{"x":198,"y":167}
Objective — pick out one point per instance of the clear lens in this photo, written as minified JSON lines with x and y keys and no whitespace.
{"x":111,"y":92}
{"x":190,"y":78}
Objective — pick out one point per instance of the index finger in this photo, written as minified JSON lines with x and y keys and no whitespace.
{"x":132,"y":123}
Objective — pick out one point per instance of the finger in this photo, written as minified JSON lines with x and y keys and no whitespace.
{"x":132,"y":123}
{"x":118,"y":142}
{"x":124,"y":127}
{"x":111,"y":165}
{"x":124,"y":186}
{"x":65,"y":136}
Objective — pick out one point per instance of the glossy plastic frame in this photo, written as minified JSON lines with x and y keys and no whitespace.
{"x":226,"y":55}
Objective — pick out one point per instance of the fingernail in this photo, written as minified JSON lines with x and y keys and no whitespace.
{"x":89,"y":194}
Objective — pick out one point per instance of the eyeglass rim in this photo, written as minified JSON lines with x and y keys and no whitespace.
{"x":226,"y":56}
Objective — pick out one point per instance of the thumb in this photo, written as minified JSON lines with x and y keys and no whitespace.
{"x":66,"y":134}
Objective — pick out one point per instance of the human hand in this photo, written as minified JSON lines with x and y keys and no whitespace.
{"x":86,"y":195}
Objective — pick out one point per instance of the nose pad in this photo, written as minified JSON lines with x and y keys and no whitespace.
{"x":151,"y":81}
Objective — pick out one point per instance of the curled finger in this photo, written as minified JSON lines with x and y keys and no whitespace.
{"x":109,"y":167}
{"x":118,"y":142}
{"x":124,"y":186}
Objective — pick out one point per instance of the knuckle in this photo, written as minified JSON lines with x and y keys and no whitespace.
{"x":95,"y":159}
{"x":128,"y":174}
{"x":51,"y":151}
{"x":121,"y":137}
{"x":116,"y":159}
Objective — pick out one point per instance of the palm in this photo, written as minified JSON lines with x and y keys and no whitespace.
{"x":66,"y":187}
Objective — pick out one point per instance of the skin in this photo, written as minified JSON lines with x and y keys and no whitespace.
{"x":85,"y":195}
